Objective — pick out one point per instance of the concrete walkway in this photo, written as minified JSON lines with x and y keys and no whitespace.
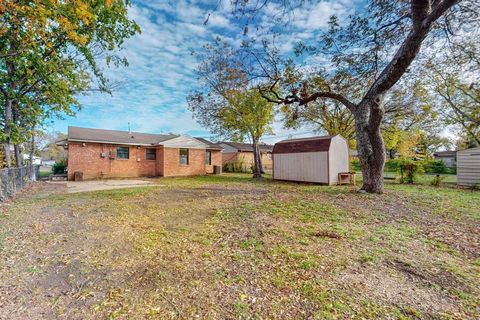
{"x":96,"y":185}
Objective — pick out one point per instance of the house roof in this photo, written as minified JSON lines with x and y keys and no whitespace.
{"x":311,"y":144}
{"x":61,"y":143}
{"x":445,"y":153}
{"x":115,"y":136}
{"x":247,"y":147}
{"x":210,"y":145}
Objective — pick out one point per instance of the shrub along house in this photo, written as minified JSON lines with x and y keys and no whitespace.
{"x":242,"y":154}
{"x":98,"y":153}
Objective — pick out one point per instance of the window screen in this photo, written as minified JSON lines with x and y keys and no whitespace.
{"x":208,"y":157}
{"x":122,"y":152}
{"x":151,"y":154}
{"x":184,"y":157}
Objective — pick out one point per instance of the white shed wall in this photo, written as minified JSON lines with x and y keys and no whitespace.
{"x":306,"y":166}
{"x":468,"y":167}
{"x":338,"y":157}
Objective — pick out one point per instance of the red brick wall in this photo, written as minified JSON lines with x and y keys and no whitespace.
{"x":216,"y":161}
{"x":172,"y":167}
{"x":229,"y":157}
{"x":159,"y":169}
{"x":87,"y":159}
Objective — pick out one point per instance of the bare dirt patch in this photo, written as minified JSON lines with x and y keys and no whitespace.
{"x":231,"y":249}
{"x":98,"y":185}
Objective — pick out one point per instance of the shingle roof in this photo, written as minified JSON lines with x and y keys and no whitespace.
{"x":210,"y":145}
{"x":247,"y":147}
{"x":116,"y":137}
{"x":445,"y":153}
{"x":311,"y":144}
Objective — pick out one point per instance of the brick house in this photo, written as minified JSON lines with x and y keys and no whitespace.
{"x":234,"y":152}
{"x":101,"y":153}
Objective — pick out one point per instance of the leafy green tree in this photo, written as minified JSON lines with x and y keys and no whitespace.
{"x":459,"y":103}
{"x":227,"y":104}
{"x":48,"y":149}
{"x":367,"y":57}
{"x":49,"y":52}
{"x":325,"y":116}
{"x":238,"y":115}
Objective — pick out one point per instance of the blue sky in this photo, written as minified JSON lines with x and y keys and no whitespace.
{"x":153,"y":90}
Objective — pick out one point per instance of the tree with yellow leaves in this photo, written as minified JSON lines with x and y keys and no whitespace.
{"x":49,"y":52}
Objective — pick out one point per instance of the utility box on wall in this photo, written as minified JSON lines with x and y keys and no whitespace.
{"x":78,"y":176}
{"x":217,"y":169}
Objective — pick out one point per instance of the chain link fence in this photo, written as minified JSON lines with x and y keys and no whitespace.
{"x":13,"y":180}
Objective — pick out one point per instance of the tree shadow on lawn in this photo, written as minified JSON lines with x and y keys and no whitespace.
{"x":235,"y":248}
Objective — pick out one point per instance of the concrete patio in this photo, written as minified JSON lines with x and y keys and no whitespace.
{"x":97,"y":185}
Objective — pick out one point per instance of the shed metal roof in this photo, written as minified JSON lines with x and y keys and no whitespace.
{"x":310,"y":144}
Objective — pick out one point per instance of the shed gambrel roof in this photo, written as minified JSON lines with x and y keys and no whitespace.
{"x":116,"y":137}
{"x":311,"y":144}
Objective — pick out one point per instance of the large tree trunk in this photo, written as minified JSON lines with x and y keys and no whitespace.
{"x":16,"y":147}
{"x":18,"y":155}
{"x":257,"y":162}
{"x":371,"y":149}
{"x":8,"y":132}
{"x":32,"y":152}
{"x":260,"y":161}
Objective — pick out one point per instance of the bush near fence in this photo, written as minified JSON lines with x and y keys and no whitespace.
{"x":427,"y":166}
{"x":13,"y":180}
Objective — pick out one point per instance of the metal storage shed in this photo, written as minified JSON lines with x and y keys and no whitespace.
{"x":315,"y":159}
{"x":468,"y":167}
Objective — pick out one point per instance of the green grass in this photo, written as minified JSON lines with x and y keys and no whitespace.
{"x":425,"y":179}
{"x":45,"y":171}
{"x":232,"y":247}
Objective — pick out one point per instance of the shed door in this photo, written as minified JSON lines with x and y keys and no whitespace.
{"x":306,"y":166}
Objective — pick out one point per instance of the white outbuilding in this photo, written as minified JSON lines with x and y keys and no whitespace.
{"x":468,"y":167}
{"x":314,"y":159}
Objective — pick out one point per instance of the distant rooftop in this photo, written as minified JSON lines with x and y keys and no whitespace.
{"x":450,"y":153}
{"x":247,"y":147}
{"x":210,"y":145}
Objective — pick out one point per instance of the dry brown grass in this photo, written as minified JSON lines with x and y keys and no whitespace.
{"x":230,"y":248}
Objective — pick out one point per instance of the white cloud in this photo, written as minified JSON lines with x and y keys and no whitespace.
{"x":152,"y":95}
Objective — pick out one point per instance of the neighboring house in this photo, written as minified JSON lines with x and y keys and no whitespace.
{"x":48,"y":163}
{"x":234,"y":152}
{"x":36,"y":160}
{"x":314,"y":159}
{"x":101,"y":153}
{"x":468,"y":167}
{"x":448,"y":157}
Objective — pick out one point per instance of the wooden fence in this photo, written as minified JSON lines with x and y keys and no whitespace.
{"x":13,"y":180}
